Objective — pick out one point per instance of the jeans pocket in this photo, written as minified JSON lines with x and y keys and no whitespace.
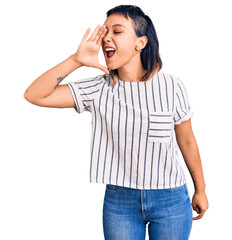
{"x":113,"y":188}
{"x":160,"y":126}
{"x":172,"y":198}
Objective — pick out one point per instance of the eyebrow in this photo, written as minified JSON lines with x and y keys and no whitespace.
{"x":117,"y":25}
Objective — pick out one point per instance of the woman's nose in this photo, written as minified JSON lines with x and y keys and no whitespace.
{"x":107,"y":38}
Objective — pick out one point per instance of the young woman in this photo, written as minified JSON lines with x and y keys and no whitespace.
{"x":139,"y":115}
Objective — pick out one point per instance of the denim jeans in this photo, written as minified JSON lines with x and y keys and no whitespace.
{"x":126,"y":211}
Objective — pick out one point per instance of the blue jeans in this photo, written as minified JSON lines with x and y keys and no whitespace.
{"x":126,"y":211}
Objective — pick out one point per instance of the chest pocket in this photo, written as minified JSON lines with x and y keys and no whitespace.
{"x":160,"y":126}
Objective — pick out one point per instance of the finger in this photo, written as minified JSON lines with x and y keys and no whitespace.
{"x":92,"y":37}
{"x":197,"y":209}
{"x":104,"y":69}
{"x":101,"y":35}
{"x":101,"y":32}
{"x":199,"y":216}
{"x":84,"y":39}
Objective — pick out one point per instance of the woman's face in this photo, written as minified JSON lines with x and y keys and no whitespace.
{"x":121,"y":39}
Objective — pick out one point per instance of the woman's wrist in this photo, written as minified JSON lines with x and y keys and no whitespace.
{"x":200,"y":189}
{"x":75,"y":60}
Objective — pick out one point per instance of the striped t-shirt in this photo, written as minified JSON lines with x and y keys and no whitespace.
{"x":133,"y":140}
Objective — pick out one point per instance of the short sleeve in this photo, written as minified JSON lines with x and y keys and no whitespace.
{"x":183,"y":111}
{"x":84,"y":92}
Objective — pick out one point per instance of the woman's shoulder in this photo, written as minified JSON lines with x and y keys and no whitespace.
{"x":169,"y":77}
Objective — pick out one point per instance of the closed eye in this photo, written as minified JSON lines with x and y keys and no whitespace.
{"x":117,"y":32}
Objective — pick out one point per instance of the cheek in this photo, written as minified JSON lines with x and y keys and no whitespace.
{"x":126,"y":50}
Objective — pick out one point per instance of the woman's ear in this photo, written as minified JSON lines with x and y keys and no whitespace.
{"x":141,"y":43}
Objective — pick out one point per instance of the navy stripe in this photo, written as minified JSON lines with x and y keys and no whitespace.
{"x":153,"y":95}
{"x":76,"y":101}
{"x":170,"y":174}
{"x":91,"y":85}
{"x":166,"y":88}
{"x":89,"y":93}
{"x":119,"y":89}
{"x":176,"y":175}
{"x":103,"y":176}
{"x":181,"y":107}
{"x":165,"y":164}
{"x":118,"y":142}
{"x":133,"y":128}
{"x":177,"y":112}
{"x":95,"y":124}
{"x":145,"y":162}
{"x":99,"y":148}
{"x":140,"y":131}
{"x":152,"y":159}
{"x":173,"y":95}
{"x":112,"y":118}
{"x":91,"y":80}
{"x":161,"y":105}
{"x":182,"y":95}
{"x":158,"y":166}
{"x":125,"y":147}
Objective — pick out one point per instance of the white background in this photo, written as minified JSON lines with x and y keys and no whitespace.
{"x":45,"y":152}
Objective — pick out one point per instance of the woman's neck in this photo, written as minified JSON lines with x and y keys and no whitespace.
{"x":131,"y":73}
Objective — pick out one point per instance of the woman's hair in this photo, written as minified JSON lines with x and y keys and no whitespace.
{"x":143,"y":26}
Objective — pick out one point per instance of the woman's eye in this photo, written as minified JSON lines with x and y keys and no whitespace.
{"x":117,"y":32}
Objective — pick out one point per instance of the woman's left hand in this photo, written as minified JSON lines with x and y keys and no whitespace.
{"x":200,"y":204}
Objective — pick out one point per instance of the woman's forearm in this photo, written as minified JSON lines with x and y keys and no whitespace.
{"x":192,"y":159}
{"x":42,"y":91}
{"x":46,"y":84}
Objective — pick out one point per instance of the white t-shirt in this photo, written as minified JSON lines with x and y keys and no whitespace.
{"x":133,"y":140}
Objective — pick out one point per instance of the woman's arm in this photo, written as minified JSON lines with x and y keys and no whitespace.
{"x":44,"y":91}
{"x":189,"y":149}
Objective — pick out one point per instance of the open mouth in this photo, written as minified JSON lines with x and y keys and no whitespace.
{"x":109,"y":53}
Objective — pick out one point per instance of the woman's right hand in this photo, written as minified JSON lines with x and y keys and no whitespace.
{"x":87,"y":52}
